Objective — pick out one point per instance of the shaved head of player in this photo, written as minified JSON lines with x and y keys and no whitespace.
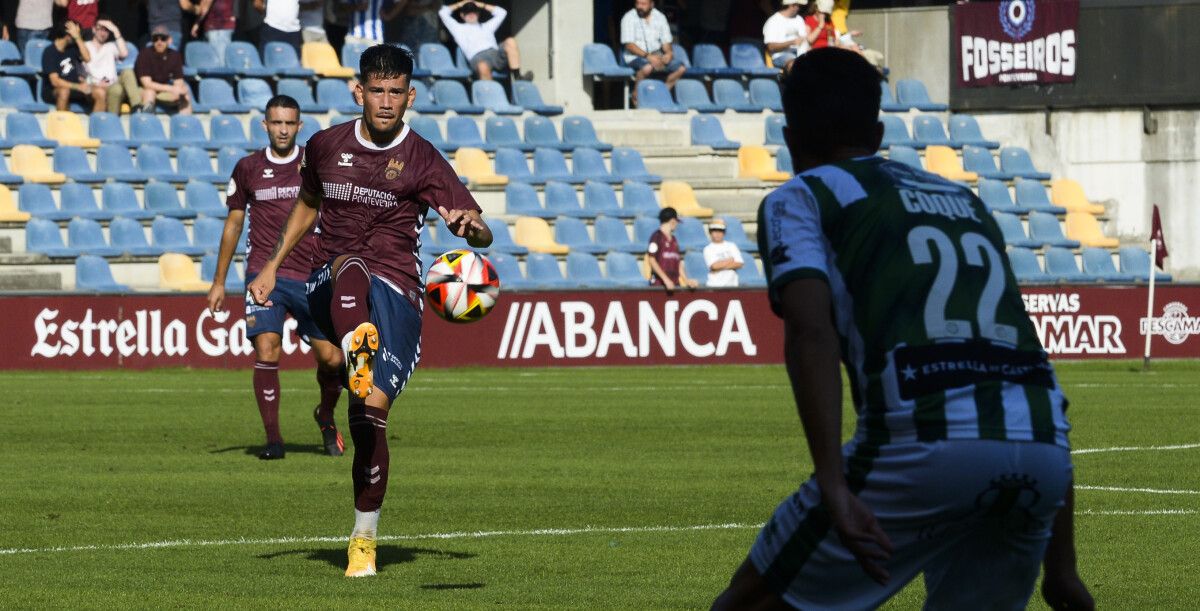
{"x":385,"y":93}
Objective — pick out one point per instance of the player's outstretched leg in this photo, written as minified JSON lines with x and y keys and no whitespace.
{"x":368,"y":429}
{"x":266,"y":393}
{"x":351,"y":319}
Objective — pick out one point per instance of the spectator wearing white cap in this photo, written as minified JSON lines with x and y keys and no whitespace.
{"x":722,"y":258}
{"x":786,"y":35}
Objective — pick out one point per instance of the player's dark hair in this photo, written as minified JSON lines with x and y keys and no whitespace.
{"x":385,"y":61}
{"x":282,"y":101}
{"x":831,"y":99}
{"x":57,"y":30}
{"x":667,"y":214}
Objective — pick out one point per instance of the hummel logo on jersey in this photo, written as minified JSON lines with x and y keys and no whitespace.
{"x":393,"y":169}
{"x":268,"y":173}
{"x":346,"y":160}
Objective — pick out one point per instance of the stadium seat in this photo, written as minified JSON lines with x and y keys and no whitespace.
{"x":521,"y":199}
{"x":254,"y":92}
{"x":765,"y":93}
{"x":234,"y":284}
{"x":964,"y":130}
{"x":1085,"y":229}
{"x":694,"y":266}
{"x":475,"y":165}
{"x":502,"y":240}
{"x":928,"y":131}
{"x":643,"y":228}
{"x":146,"y":128}
{"x":243,"y":58}
{"x":444,"y":240}
{"x":509,"y":271}
{"x":587,"y":164}
{"x":437,"y":60}
{"x":600,"y":64}
{"x":114,"y":161}
{"x":526,"y":94}
{"x":638,"y":198}
{"x":72,"y":161}
{"x":198,"y":107}
{"x":92,"y":274}
{"x":1045,"y":229}
{"x":979,"y":160}
{"x":692,"y":95}
{"x":783,"y":160}
{"x":1062,"y":266}
{"x":129,"y":236}
{"x":424,"y":102}
{"x":774,"y":130}
{"x":612,"y":235}
{"x":10,"y":61}
{"x":34,"y":48}
{"x":201,"y":196}
{"x":549,"y":164}
{"x":202,"y":57}
{"x":707,"y":131}
{"x":463,"y":131}
{"x":38,"y":201}
{"x":227,"y":159}
{"x":578,"y":131}
{"x":170,"y":235}
{"x":23,"y":128}
{"x":155,"y":163}
{"x":735,"y":232}
{"x":218,"y":95}
{"x":749,"y":59}
{"x":912,"y":94}
{"x":107,"y":128}
{"x":895,"y":133}
{"x":309,"y":126}
{"x":79,"y":200}
{"x":119,"y":199}
{"x":30,"y":162}
{"x":534,"y":233}
{"x":996,"y":197}
{"x":654,"y":95}
{"x":453,"y":96}
{"x":302,"y":93}
{"x":1069,"y":195}
{"x":86,"y":236}
{"x":227,"y":131}
{"x":186,"y":130}
{"x":1015,"y":160}
{"x":1098,"y":263}
{"x":540,"y":132}
{"x":6,"y":177}
{"x":162,"y":199}
{"x":599,"y":199}
{"x":502,"y":132}
{"x":906,"y":155}
{"x":624,"y":270}
{"x":749,"y":275}
{"x":1136,"y":262}
{"x":943,"y":161}
{"x":9,"y":212}
{"x":177,"y":272}
{"x":584,"y":269}
{"x":15,"y":93}
{"x":887,"y":102}
{"x":511,"y":163}
{"x":573,"y":233}
{"x":1013,"y":231}
{"x":322,"y":59}
{"x":730,"y":94}
{"x":711,"y":59}
{"x":563,"y":200}
{"x":756,"y":162}
{"x":490,"y":95}
{"x":543,"y":270}
{"x":627,"y":163}
{"x":1025,"y":266}
{"x":680,"y":196}
{"x":334,"y":94}
{"x":67,"y":129}
{"x":352,"y":56}
{"x":1031,"y":195}
{"x":281,"y":59}
{"x":428,"y":129}
{"x":43,"y":237}
{"x":691,"y":234}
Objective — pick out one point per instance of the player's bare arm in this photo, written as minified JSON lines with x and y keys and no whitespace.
{"x":657,"y":270}
{"x":229,"y":238}
{"x":467,"y":224}
{"x":299,"y":223}
{"x":813,"y":359}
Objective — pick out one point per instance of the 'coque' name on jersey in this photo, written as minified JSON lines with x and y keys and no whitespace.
{"x":949,"y":205}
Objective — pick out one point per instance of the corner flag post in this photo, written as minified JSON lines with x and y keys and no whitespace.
{"x":1150,"y":306}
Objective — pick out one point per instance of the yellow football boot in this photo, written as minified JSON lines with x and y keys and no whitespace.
{"x":362,"y":557}
{"x":360,"y":359}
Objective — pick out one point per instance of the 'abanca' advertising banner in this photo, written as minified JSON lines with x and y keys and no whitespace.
{"x":1015,"y":42}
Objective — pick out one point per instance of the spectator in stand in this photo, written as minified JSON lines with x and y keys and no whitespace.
{"x":157,"y":77}
{"x":215,"y":18}
{"x":662,"y":254}
{"x":366,"y":24}
{"x":312,"y":22}
{"x":33,"y":21}
{"x":646,"y":38}
{"x":418,"y":24}
{"x":476,"y":38}
{"x":168,"y":14}
{"x":281,"y":23}
{"x":722,"y":258}
{"x":828,"y":35}
{"x":787,"y":35}
{"x":63,"y":79}
{"x":107,"y":47}
{"x":83,"y":12}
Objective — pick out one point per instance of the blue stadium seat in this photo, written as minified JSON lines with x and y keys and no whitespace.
{"x":254,"y":92}
{"x":1136,"y":262}
{"x":765,"y":93}
{"x":1098,"y":263}
{"x":912,"y":94}
{"x":155,"y":163}
{"x":10,"y":61}
{"x":707,"y":131}
{"x":599,"y":198}
{"x":540,"y":132}
{"x":218,"y":95}
{"x":774,"y":130}
{"x":113,"y":161}
{"x":578,"y":131}
{"x":511,"y":163}
{"x":573,"y":233}
{"x":1025,"y":266}
{"x":1044,"y":228}
{"x":730,"y":94}
{"x":453,"y":96}
{"x":521,"y":199}
{"x":227,"y":159}
{"x":207,"y":231}
{"x":694,"y":266}
{"x":502,"y":132}
{"x":749,"y":276}
{"x":33,"y":53}
{"x":692,"y":95}
{"x":444,"y":240}
{"x":906,"y":155}
{"x":42,"y":236}
{"x":681,"y":54}
{"x":735,"y":232}
{"x":202,"y":57}
{"x":92,"y":274}
{"x":643,"y":228}
{"x":38,"y":200}
{"x":1031,"y":195}
{"x":86,"y":236}
{"x":611,"y":234}
{"x":502,"y":241}
{"x":623,"y":269}
{"x":424,"y":102}
{"x":187,"y":130}
{"x":563,"y":200}
{"x":549,"y":164}
{"x":587,"y":164}
{"x":584,"y":269}
{"x":691,"y":234}
{"x":119,"y":199}
{"x":509,"y":271}
{"x":599,"y":63}
{"x":526,"y":94}
{"x":543,"y":270}
{"x":979,"y":160}
{"x":638,"y":198}
{"x":106,"y":127}
{"x":227,"y":131}
{"x":749,"y":59}
{"x":129,"y":61}
{"x":783,"y":160}
{"x":711,"y":59}
{"x":437,"y":60}
{"x":145,"y":128}
{"x":6,"y":177}
{"x":428,"y":129}
{"x":1015,"y":160}
{"x":887,"y":102}
{"x":352,"y":55}
{"x":281,"y":58}
{"x":73,"y":161}
{"x":895,"y":132}
{"x":309,"y":126}
{"x":170,"y":235}
{"x":302,"y":92}
{"x":627,"y":163}
{"x":234,"y":284}
{"x":1061,"y":264}
{"x":244,"y":59}
{"x":202,"y":197}
{"x":463,"y":131}
{"x":928,"y":130}
{"x":79,"y":200}
{"x":15,"y":93}
{"x":258,"y":136}
{"x":1013,"y":231}
{"x":23,"y":128}
{"x":334,"y":94}
{"x":490,"y":95}
{"x":964,"y":130}
{"x":162,"y":199}
{"x":654,"y":95}
{"x":995,"y":196}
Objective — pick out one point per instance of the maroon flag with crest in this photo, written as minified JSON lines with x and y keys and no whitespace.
{"x":1156,"y":234}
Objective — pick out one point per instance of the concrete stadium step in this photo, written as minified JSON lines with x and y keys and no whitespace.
{"x":30,"y":280}
{"x":23,"y":258}
{"x":6,"y":245}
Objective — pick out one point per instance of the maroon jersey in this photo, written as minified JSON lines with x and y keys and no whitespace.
{"x":374,"y":199}
{"x":266,"y":187}
{"x":665,"y":250}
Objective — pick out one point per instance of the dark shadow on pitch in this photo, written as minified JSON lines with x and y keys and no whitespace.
{"x":288,"y":448}
{"x":453,"y":586}
{"x":385,"y":555}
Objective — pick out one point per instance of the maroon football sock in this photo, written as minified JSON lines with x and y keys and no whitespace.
{"x":331,"y":390}
{"x":266,"y":392}
{"x":368,"y":429}
{"x":348,"y":309}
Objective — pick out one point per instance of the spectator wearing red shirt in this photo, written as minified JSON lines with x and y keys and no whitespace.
{"x":83,"y":12}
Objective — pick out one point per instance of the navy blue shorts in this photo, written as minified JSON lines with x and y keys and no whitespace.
{"x":394,"y":316}
{"x":288,"y":297}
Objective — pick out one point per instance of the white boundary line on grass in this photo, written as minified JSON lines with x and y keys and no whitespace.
{"x":1185,"y":446}
{"x":1146,"y":490}
{"x":1144,"y":512}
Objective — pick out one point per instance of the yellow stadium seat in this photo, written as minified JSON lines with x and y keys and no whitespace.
{"x":681,"y":197}
{"x":31,"y":163}
{"x":1085,"y":228}
{"x":1069,"y":194}
{"x":8,"y":207}
{"x":943,"y":161}
{"x":475,"y":165}
{"x":67,"y":128}
{"x":756,"y":162}
{"x":534,"y":233}
{"x":321,"y":58}
{"x":178,"y":273}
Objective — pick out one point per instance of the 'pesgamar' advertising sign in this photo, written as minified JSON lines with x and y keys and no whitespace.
{"x":1015,"y":42}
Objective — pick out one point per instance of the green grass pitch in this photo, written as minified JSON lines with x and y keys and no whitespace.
{"x":632,"y":488}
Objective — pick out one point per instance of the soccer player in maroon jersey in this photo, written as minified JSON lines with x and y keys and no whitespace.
{"x":373,"y":181}
{"x":264,"y":187}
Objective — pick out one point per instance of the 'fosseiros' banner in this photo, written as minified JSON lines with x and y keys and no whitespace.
{"x":1015,"y":42}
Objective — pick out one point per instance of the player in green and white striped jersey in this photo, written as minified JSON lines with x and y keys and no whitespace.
{"x":959,"y":463}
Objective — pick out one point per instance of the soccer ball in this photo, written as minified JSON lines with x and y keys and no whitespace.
{"x":462,"y":286}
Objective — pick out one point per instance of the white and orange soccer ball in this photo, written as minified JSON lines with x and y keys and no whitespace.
{"x":462,"y":286}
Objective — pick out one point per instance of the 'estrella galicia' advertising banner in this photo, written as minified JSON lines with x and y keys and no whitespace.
{"x":1015,"y":42}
